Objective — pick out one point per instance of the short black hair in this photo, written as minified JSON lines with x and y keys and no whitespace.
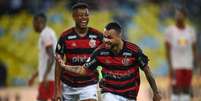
{"x":80,"y":5}
{"x":114,"y":25}
{"x":41,"y":15}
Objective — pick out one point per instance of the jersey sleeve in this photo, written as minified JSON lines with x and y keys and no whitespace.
{"x":47,"y":38}
{"x":142,"y":60}
{"x":92,"y":61}
{"x":60,"y":48}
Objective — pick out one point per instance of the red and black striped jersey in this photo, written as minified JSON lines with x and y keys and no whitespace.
{"x":120,"y":70}
{"x":76,"y":50}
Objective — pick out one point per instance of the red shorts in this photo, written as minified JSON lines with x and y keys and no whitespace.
{"x":46,"y":93}
{"x":182,"y":78}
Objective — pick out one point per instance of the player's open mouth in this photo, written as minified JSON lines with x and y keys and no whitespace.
{"x":83,"y":22}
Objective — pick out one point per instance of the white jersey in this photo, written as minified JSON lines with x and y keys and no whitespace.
{"x":47,"y":37}
{"x":181,"y":42}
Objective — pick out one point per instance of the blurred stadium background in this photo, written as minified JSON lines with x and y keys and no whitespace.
{"x":144,"y":22}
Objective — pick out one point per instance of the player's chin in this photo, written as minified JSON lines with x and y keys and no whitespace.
{"x":83,"y":26}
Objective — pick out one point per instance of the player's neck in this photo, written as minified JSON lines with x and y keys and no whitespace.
{"x":118,"y":47}
{"x":180,"y":25}
{"x":121,"y":44}
{"x":41,"y":29}
{"x":81,"y":31}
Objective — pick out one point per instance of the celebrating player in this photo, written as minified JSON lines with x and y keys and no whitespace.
{"x":75,"y":46}
{"x":121,"y":61}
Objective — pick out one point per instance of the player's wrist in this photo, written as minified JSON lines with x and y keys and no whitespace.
{"x":66,"y":67}
{"x":156,"y":92}
{"x":45,"y":78}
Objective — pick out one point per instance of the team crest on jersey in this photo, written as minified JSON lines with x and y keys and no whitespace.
{"x":92,"y":43}
{"x":125,"y":61}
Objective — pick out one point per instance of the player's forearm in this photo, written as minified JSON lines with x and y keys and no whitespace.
{"x":49,"y":66}
{"x":35,"y":74}
{"x":76,"y":69}
{"x":153,"y":84}
{"x":151,"y":80}
{"x":57,"y":77}
{"x":168,"y":48}
{"x":50,"y":60}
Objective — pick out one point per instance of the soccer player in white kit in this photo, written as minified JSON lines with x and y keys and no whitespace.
{"x":47,"y":43}
{"x":180,"y":46}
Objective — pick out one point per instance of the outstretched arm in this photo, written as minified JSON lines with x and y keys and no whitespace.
{"x":75,"y":69}
{"x":152,"y":83}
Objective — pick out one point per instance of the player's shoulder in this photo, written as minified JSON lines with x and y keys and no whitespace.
{"x":133,"y":47}
{"x":47,"y":31}
{"x":67,"y":31}
{"x":94,"y":31}
{"x":190,"y":28}
{"x":171,"y":27}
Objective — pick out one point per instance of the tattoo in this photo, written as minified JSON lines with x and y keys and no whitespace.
{"x":50,"y":60}
{"x":76,"y":69}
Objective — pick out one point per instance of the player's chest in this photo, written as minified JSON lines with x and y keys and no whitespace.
{"x":182,"y":38}
{"x":74,"y":41}
{"x":122,"y":59}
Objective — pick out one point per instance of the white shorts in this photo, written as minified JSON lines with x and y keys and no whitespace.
{"x":79,"y":93}
{"x":113,"y":97}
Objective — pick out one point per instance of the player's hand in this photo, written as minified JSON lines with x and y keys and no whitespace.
{"x":45,"y":83}
{"x":31,"y":81}
{"x":171,"y":78}
{"x":58,"y":58}
{"x":157,"y":97}
{"x":57,"y":97}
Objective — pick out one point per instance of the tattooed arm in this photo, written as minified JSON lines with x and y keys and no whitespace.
{"x":75,"y":69}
